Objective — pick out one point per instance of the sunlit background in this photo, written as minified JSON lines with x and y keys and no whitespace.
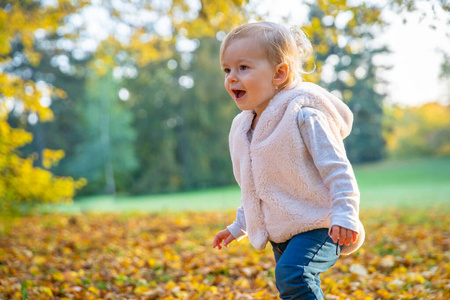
{"x":124,"y":99}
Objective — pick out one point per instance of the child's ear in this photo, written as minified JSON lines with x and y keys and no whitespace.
{"x":281,"y":73}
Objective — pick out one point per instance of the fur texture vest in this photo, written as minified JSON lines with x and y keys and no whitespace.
{"x":286,"y":189}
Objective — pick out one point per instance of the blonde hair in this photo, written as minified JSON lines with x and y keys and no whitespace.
{"x":281,"y":44}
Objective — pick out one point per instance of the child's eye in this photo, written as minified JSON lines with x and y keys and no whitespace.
{"x":243,"y":68}
{"x":226,"y":70}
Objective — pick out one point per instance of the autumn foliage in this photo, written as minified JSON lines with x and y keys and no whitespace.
{"x":170,"y":256}
{"x":421,"y":130}
{"x":20,"y":180}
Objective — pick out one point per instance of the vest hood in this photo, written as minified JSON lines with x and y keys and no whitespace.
{"x":311,"y":95}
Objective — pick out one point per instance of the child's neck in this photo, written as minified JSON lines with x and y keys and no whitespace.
{"x":255,"y":121}
{"x":258,"y":112}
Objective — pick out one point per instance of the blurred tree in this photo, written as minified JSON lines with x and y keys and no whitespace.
{"x":183,"y":118}
{"x":208,"y":111}
{"x":26,"y":101}
{"x":155,"y":97}
{"x":173,"y":144}
{"x":66,"y":131}
{"x":106,"y":155}
{"x":341,"y":35}
{"x":57,"y":68}
{"x":53,"y":55}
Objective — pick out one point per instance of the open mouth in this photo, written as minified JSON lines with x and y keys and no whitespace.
{"x":239,"y":93}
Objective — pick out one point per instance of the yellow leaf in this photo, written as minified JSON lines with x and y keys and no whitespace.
{"x":170,"y":285}
{"x":47,"y":291}
{"x":260,"y":295}
{"x":58,"y":276}
{"x":243,"y":282}
{"x":141,"y":289}
{"x":359,"y":293}
{"x":259,"y":282}
{"x":93,"y":290}
{"x":151,"y":262}
{"x":51,"y":157}
{"x":384,"y":293}
{"x":39,"y":260}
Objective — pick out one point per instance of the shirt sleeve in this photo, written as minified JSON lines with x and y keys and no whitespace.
{"x":334,"y":167}
{"x":238,"y":228}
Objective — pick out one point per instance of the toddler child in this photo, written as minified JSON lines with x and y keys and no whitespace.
{"x":298,"y":189}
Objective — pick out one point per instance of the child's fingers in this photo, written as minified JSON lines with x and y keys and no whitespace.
{"x":334,"y":233}
{"x":217,"y":241}
{"x":349,"y":237}
{"x":355,"y":235}
{"x":229,"y":239}
{"x":342,"y":235}
{"x":219,"y":244}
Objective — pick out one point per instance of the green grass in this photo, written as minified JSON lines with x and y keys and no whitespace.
{"x":209,"y":199}
{"x":405,"y":183}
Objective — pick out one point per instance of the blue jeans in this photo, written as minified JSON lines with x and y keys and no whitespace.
{"x":300,"y":262}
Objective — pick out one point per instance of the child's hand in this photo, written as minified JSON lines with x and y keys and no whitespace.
{"x":223,"y":235}
{"x":344,"y":235}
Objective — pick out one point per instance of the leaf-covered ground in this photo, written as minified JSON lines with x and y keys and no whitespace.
{"x":170,"y":256}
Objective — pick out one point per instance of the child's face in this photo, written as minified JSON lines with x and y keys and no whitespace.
{"x":249,"y":75}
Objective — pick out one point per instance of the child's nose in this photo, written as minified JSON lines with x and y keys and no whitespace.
{"x":232,"y":77}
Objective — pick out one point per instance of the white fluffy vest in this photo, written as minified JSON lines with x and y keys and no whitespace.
{"x":281,"y":189}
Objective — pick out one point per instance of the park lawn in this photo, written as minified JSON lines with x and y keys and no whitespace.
{"x":130,"y":252}
{"x":418,"y":182}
